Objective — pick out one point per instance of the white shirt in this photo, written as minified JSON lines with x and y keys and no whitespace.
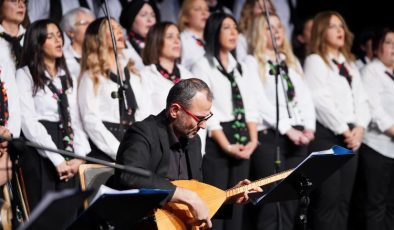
{"x":191,"y":51}
{"x":242,"y":48}
{"x":7,"y":74}
{"x":43,"y":106}
{"x":101,"y":107}
{"x":14,"y":119}
{"x":160,"y":86}
{"x":220,"y":86}
{"x":73,"y":66}
{"x":360,"y":63}
{"x":130,"y":52}
{"x":380,"y":91}
{"x":301,"y":107}
{"x":336,"y":103}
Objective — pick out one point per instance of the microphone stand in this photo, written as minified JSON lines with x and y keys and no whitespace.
{"x":278,"y":72}
{"x":121,"y":94}
{"x":20,"y":143}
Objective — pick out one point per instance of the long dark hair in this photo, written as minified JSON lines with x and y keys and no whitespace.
{"x":154,"y":42}
{"x":212,"y":34}
{"x":33,"y":53}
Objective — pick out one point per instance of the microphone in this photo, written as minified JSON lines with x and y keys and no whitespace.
{"x":119,"y":94}
{"x":115,"y":94}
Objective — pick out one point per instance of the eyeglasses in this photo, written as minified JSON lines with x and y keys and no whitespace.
{"x":198,"y":119}
{"x":18,"y":1}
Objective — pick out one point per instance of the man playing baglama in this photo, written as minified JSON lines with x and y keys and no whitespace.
{"x":169,"y":147}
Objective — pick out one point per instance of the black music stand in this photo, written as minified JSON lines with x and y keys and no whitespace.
{"x":56,"y":210}
{"x":308,"y":175}
{"x":120,"y":211}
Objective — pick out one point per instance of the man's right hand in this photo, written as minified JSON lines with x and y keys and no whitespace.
{"x":196,"y":205}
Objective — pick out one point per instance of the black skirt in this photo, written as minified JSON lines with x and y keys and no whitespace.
{"x":39,"y":173}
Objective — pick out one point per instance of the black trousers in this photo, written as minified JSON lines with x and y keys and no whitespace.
{"x":329,"y":208}
{"x":40,"y":175}
{"x":377,"y":174}
{"x":265,"y":217}
{"x":223,"y":171}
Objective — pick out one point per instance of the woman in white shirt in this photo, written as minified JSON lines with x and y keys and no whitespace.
{"x":13,"y":20}
{"x":192,"y":18}
{"x":162,"y":69}
{"x":296,"y":110}
{"x":109,"y":104}
{"x":74,"y":24}
{"x":341,"y":111}
{"x":377,"y":153}
{"x":232,"y":130}
{"x":50,"y":117}
{"x":137,"y":17}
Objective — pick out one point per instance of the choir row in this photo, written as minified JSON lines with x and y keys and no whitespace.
{"x":80,"y":99}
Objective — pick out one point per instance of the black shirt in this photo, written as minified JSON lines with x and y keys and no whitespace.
{"x":177,"y":170}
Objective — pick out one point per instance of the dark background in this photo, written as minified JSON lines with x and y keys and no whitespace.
{"x":358,"y":14}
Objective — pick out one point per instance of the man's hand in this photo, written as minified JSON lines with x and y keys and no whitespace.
{"x":195,"y":204}
{"x":243,"y":198}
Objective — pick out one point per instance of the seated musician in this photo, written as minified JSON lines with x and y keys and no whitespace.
{"x":168,"y":146}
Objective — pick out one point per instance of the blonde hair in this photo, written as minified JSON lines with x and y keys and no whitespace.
{"x":318,"y":45}
{"x":183,"y":14}
{"x":95,"y":52}
{"x":258,"y":46}
{"x":247,"y":18}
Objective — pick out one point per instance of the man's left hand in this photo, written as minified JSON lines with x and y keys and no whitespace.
{"x":243,"y":197}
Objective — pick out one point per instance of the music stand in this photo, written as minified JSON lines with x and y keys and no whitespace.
{"x":308,"y":175}
{"x":56,"y":210}
{"x":120,"y":211}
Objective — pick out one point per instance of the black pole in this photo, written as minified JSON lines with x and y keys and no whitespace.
{"x":278,"y":73}
{"x":19,"y":143}
{"x":121,"y":94}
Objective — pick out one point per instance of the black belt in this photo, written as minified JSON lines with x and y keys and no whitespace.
{"x":116,"y":129}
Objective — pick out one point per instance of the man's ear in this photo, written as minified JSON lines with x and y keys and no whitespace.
{"x":174,"y":110}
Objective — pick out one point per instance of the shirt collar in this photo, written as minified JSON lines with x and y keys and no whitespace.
{"x":175,"y":142}
{"x":73,"y":52}
{"x":232,"y":63}
{"x":340,"y":59}
{"x":60,"y":72}
{"x":380,"y":63}
{"x":21,"y":30}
